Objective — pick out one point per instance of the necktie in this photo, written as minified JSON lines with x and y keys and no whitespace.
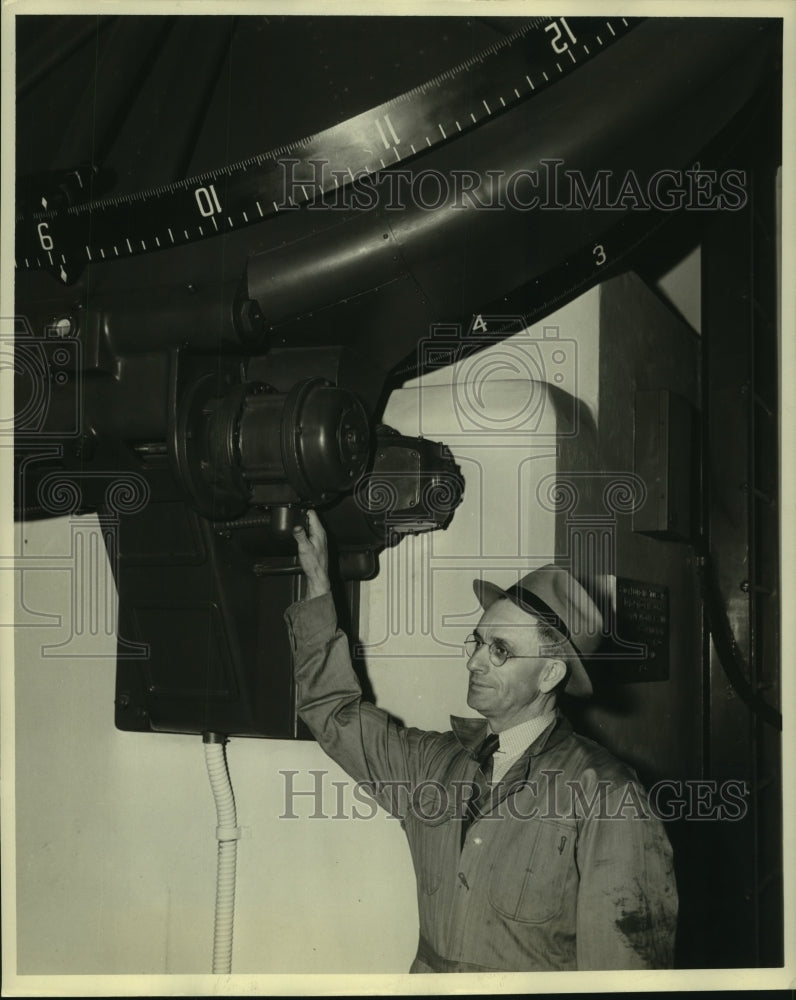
{"x":487,"y":749}
{"x":484,"y":758}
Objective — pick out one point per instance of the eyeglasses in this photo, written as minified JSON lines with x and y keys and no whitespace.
{"x":498,"y":654}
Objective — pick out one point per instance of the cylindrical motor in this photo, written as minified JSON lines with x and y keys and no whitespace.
{"x":254,"y":446}
{"x":320,"y":440}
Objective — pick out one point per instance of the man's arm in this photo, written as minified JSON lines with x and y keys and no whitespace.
{"x":313,"y":556}
{"x":367,"y":743}
{"x":627,"y":898}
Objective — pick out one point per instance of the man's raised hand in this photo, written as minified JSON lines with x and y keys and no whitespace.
{"x":313,"y":555}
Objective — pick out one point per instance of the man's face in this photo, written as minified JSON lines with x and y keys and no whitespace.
{"x":509,"y":694}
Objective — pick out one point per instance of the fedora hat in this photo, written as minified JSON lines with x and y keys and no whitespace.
{"x":555,"y":598}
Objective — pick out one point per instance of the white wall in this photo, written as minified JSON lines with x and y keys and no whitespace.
{"x":115,"y":831}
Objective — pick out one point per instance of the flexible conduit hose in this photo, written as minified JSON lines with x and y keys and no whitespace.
{"x":227,"y":834}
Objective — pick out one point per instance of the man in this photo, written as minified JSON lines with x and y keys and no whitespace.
{"x":543,"y":857}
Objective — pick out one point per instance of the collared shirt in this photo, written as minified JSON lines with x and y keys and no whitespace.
{"x":515,"y":741}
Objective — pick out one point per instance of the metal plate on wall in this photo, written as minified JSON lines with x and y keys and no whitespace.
{"x":642,"y":618}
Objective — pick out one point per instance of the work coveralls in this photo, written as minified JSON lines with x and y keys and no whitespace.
{"x":564,"y":869}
